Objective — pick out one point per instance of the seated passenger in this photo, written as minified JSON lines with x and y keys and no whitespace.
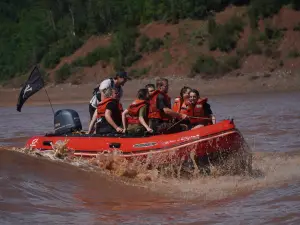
{"x":151,"y":88}
{"x":137,"y":115}
{"x":107,"y":115}
{"x":160,"y":112}
{"x":201,"y":114}
{"x":181,"y":103}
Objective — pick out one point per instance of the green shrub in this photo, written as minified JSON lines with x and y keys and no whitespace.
{"x":131,"y":58}
{"x":241,"y":52}
{"x":294,"y":53}
{"x":198,"y":37}
{"x":253,"y":19}
{"x":223,"y":41}
{"x":123,"y":44}
{"x":60,"y":49}
{"x":155,"y":44}
{"x":265,"y":8}
{"x":273,"y":33}
{"x":296,"y":4}
{"x":211,"y":25}
{"x":232,"y":63}
{"x":63,"y":73}
{"x":225,"y":37}
{"x":281,"y":63}
{"x":143,"y":43}
{"x":297,"y":27}
{"x":79,"y":62}
{"x":252,"y":46}
{"x":137,"y":73}
{"x":271,"y":36}
{"x":98,"y":54}
{"x":167,"y":40}
{"x":206,"y":64}
{"x":150,"y":45}
{"x":167,"y":58}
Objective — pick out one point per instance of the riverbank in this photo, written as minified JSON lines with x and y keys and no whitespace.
{"x":233,"y":84}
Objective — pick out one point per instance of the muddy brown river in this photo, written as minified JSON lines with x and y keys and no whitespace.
{"x":34,"y":190}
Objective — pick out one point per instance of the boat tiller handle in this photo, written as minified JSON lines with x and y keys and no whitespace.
{"x":114,"y":145}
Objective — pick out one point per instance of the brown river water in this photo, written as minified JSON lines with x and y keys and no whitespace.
{"x":34,"y":190}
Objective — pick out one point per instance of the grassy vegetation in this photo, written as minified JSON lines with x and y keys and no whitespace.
{"x":253,"y":46}
{"x":199,"y":36}
{"x":149,"y":45}
{"x":43,"y":31}
{"x":294,"y":53}
{"x":297,"y":27}
{"x":63,"y":73}
{"x":60,"y":49}
{"x":224,"y":37}
{"x":167,"y":58}
{"x":100,"y":53}
{"x":138,"y":73}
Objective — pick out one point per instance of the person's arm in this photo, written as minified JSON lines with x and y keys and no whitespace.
{"x":174,"y":114}
{"x":213,"y":119}
{"x":208,"y":112}
{"x":161,"y":105}
{"x":142,"y":115}
{"x":143,"y":122}
{"x":124,"y":120}
{"x":109,"y":119}
{"x":92,"y":123}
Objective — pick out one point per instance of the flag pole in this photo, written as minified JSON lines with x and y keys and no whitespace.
{"x":49,"y":100}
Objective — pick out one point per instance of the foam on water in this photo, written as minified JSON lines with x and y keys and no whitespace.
{"x":225,"y":179}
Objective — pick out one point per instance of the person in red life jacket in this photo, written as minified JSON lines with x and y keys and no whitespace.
{"x":181,"y":104}
{"x":107,"y":115}
{"x":151,"y":88}
{"x":201,"y":113}
{"x":160,"y":112}
{"x":117,"y":82}
{"x":137,"y":115}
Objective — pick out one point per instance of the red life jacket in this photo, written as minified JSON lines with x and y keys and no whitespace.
{"x":154,"y":112}
{"x":102,"y":107}
{"x":181,"y":107}
{"x":198,"y":111}
{"x":177,"y":104}
{"x":133,"y":111}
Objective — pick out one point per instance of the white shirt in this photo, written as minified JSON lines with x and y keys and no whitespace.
{"x":104,"y":84}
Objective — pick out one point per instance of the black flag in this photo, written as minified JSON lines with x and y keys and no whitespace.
{"x":34,"y":83}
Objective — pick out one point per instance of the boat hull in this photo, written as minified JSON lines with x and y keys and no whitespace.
{"x":222,"y":136}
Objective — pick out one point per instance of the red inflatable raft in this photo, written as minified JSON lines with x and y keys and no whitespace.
{"x":222,"y":136}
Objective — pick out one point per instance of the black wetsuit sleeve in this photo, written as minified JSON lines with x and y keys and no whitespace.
{"x":207,"y":109}
{"x":161,"y":104}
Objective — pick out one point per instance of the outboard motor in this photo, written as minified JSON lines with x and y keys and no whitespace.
{"x":66,"y":121}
